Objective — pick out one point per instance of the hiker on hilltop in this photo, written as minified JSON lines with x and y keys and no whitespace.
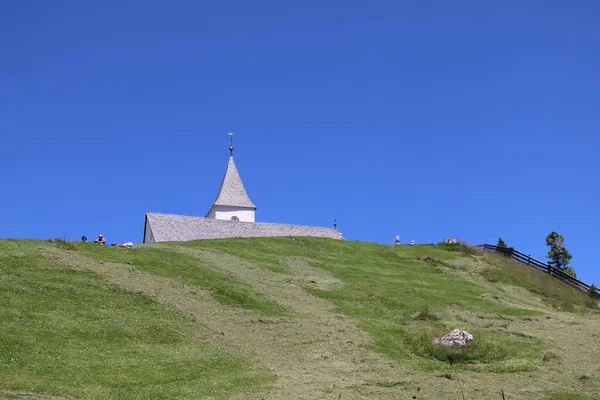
{"x":100,"y":240}
{"x":83,"y":239}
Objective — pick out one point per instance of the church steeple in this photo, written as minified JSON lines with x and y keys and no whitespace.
{"x":232,"y":201}
{"x":232,"y":192}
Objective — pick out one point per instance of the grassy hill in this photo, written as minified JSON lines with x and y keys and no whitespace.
{"x":287,"y":318}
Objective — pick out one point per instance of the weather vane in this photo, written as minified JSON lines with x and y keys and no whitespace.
{"x":230,"y":143}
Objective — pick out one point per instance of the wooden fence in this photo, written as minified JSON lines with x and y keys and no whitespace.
{"x":547,"y":268}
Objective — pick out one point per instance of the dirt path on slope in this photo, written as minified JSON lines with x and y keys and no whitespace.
{"x":320,"y":354}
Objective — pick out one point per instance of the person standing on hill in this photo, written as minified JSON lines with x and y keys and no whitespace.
{"x":100,"y":240}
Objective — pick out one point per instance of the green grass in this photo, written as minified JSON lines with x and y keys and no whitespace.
{"x":489,"y":347}
{"x":257,"y":251}
{"x":552,"y":291}
{"x":390,"y":292}
{"x":189,"y":271}
{"x":70,"y":333}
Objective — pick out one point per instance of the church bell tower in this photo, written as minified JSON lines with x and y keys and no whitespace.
{"x":232,"y":202}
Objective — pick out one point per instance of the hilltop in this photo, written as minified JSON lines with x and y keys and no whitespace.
{"x":287,"y":318}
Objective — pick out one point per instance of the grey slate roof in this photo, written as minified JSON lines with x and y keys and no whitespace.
{"x":179,"y":228}
{"x":232,"y":192}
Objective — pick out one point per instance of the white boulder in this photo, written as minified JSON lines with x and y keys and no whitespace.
{"x":456,"y":338}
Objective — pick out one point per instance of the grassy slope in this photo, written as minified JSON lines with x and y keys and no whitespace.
{"x":66,"y":332}
{"x":386,"y":289}
{"x":190,"y":271}
{"x":402,"y":301}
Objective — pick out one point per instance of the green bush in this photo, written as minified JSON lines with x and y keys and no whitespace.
{"x":570,"y":271}
{"x":458,"y":247}
{"x":482,"y":349}
{"x":63,"y":243}
{"x":594,"y":292}
{"x":425,"y":314}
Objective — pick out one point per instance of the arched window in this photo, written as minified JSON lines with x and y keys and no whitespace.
{"x":234,"y":218}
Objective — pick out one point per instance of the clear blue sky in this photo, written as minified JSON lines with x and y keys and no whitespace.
{"x":425,"y":119}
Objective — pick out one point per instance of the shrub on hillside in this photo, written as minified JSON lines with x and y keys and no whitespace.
{"x":484,"y":348}
{"x":457,"y":246}
{"x":502,"y":248}
{"x":570,"y":271}
{"x":425,"y":314}
{"x":63,"y":243}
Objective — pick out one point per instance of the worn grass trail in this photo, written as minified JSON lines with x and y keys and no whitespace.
{"x":313,"y":354}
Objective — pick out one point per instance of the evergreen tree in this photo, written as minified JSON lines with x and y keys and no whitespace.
{"x":558,"y":255}
{"x":503,"y":248}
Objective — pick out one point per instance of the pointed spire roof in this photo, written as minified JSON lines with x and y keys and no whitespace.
{"x":232,"y":192}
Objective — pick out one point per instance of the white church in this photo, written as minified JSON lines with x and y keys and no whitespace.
{"x":232,"y":200}
{"x":231,"y":215}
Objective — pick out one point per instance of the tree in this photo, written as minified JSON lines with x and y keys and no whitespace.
{"x":502,"y":248}
{"x":558,"y":255}
{"x":594,"y":292}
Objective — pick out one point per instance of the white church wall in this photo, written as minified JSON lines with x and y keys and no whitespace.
{"x":211,"y":213}
{"x":227,"y":213}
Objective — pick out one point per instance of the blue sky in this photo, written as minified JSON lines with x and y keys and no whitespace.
{"x":425,"y":119}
